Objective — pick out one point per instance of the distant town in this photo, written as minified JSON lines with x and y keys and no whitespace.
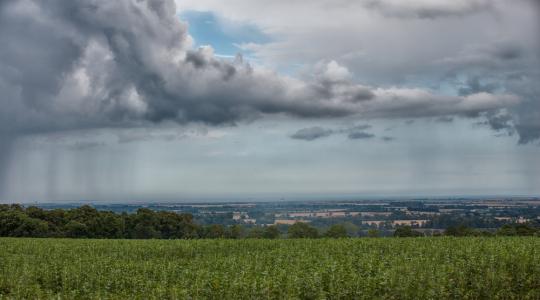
{"x":430,"y":216}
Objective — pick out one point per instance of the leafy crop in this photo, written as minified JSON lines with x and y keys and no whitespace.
{"x":407,"y":268}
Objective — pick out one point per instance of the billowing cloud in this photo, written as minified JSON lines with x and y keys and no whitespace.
{"x":125,"y":63}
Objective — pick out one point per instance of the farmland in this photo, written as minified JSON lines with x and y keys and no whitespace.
{"x":397,"y":268}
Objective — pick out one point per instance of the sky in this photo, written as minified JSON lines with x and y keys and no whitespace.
{"x":162,"y":100}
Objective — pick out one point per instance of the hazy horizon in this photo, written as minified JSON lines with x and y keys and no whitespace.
{"x":306,"y":198}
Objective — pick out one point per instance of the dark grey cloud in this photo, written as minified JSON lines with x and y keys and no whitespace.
{"x":357,"y":128}
{"x":509,"y":52}
{"x":357,"y":131}
{"x":317,"y":132}
{"x":6,"y":144}
{"x":445,"y":119}
{"x":311,"y":133}
{"x":388,"y":138}
{"x":528,"y":132}
{"x":360,"y":135}
{"x":502,"y":66}
{"x":501,"y":121}
{"x":428,"y":9}
{"x":474,"y":85}
{"x":84,"y":145}
{"x":128,"y":136}
{"x":526,"y":117}
{"x":527,"y":120}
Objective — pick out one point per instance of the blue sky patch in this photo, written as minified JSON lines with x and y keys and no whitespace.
{"x":222,"y":34}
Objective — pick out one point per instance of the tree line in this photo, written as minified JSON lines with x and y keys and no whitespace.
{"x":88,"y":222}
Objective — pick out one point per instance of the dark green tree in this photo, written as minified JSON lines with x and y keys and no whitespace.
{"x":215,"y":231}
{"x":271,"y":232}
{"x":336,"y":231}
{"x":406,"y":231}
{"x":373,"y":233}
{"x":75,"y":229}
{"x":302,"y":230}
{"x":144,"y":224}
{"x":460,"y":230}
{"x":256,"y":233}
{"x":235,"y":232}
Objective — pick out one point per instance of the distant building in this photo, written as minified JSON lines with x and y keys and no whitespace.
{"x":519,"y":220}
{"x":289,"y":222}
{"x":451,"y":210}
{"x":522,"y":220}
{"x":418,"y":223}
{"x":423,"y":213}
{"x":241,"y":216}
{"x":377,"y":223}
{"x":375,"y":214}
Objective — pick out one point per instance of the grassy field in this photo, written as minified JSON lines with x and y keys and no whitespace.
{"x":391,"y":268}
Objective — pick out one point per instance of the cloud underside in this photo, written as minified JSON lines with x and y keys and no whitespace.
{"x":80,"y":64}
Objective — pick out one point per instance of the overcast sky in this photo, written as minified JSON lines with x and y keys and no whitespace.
{"x":158,"y":100}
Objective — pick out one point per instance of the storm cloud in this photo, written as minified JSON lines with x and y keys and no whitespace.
{"x":114,"y":64}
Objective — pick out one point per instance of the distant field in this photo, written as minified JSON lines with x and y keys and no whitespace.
{"x":396,"y":268}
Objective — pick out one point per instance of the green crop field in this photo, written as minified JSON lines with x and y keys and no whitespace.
{"x":390,"y":268}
